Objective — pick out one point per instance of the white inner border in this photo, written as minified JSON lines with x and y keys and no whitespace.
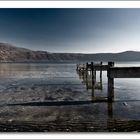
{"x":70,"y":4}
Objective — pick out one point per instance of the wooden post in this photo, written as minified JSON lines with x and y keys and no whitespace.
{"x":93,"y":79}
{"x":101,"y":76}
{"x":86,"y":70}
{"x":93,"y":74}
{"x":101,"y":71}
{"x":110,"y":83}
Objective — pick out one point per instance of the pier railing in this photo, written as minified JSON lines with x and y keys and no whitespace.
{"x":112,"y":72}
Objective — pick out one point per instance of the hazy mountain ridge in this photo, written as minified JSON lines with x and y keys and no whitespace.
{"x":10,"y":53}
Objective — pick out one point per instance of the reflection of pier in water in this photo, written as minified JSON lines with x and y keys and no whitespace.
{"x":87,"y":73}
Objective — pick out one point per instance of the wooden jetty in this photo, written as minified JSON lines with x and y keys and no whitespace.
{"x":112,"y":72}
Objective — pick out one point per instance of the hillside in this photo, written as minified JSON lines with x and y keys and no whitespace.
{"x":10,"y":53}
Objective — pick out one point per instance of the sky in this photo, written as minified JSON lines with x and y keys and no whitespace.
{"x":72,"y":30}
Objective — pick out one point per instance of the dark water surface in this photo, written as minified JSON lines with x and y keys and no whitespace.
{"x":53,"y":97}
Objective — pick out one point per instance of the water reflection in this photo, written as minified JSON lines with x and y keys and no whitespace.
{"x":110,"y":110}
{"x":91,"y":82}
{"x":36,"y":70}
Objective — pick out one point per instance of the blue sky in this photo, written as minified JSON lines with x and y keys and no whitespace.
{"x":72,"y":30}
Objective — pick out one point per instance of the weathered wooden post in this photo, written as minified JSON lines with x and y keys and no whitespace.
{"x":86,"y":70}
{"x":110,"y":83}
{"x":101,"y":70}
{"x":87,"y":75}
{"x":93,"y":73}
{"x":101,"y":76}
{"x":93,"y":79}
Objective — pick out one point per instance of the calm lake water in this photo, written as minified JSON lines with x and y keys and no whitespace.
{"x":43,"y":82}
{"x":65,"y":74}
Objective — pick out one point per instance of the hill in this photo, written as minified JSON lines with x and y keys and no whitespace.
{"x":10,"y":53}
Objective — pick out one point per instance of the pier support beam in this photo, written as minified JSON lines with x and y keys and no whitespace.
{"x":101,"y":77}
{"x":110,"y":83}
{"x":93,"y":73}
{"x":86,"y":70}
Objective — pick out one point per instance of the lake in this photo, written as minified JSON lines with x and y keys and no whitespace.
{"x":53,"y":97}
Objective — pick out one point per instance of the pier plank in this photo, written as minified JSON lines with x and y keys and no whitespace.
{"x":125,"y":72}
